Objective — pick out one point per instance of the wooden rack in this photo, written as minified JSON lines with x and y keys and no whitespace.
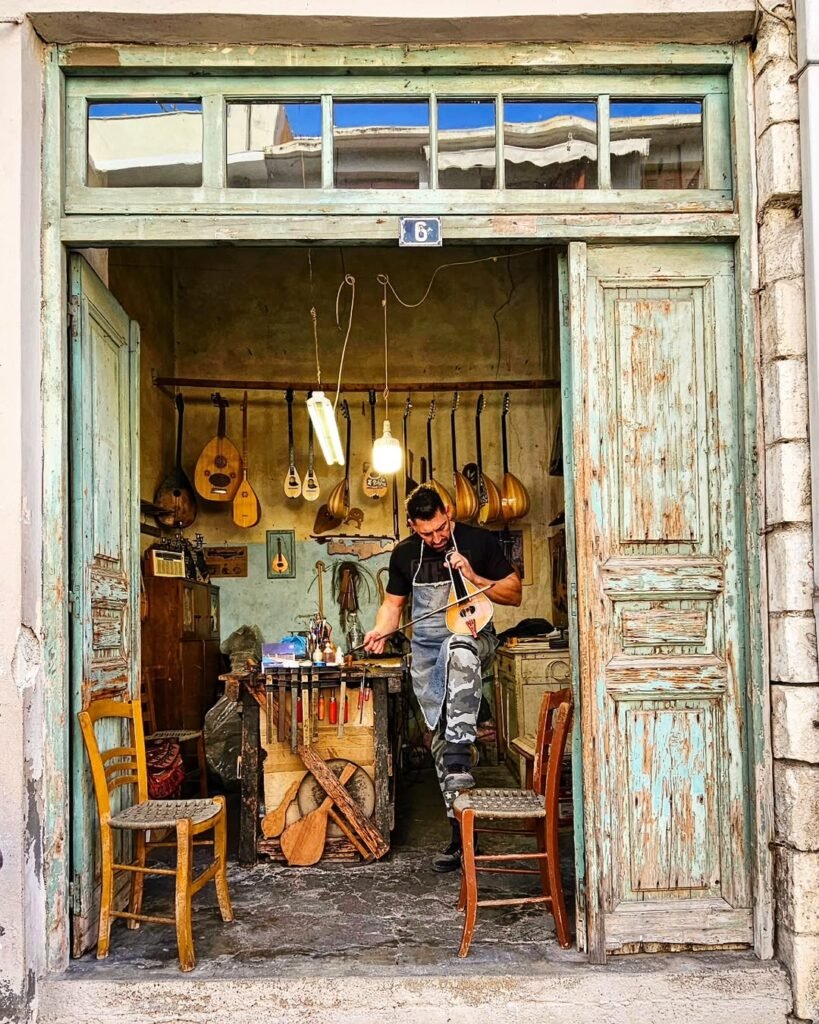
{"x":214,"y":384}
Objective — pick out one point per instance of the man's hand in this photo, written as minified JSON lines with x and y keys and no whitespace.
{"x":458,"y":562}
{"x":374,"y":643}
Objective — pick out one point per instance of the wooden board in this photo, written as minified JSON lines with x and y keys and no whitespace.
{"x":229,"y":560}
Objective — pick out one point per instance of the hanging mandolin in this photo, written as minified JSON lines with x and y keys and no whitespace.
{"x":292,"y":480}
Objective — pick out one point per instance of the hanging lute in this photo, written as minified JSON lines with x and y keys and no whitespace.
{"x":489,"y":499}
{"x":374,"y":484}
{"x":218,"y":470}
{"x":514,"y":496}
{"x":310,"y":487}
{"x":246,"y":509}
{"x":442,"y":492}
{"x":466,"y":501}
{"x":175,"y":492}
{"x":292,"y":480}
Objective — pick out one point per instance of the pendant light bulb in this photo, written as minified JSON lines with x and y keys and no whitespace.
{"x":387,"y":455}
{"x":326,"y":429}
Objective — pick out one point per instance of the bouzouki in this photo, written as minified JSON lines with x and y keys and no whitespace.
{"x":218,"y":470}
{"x":468,"y":609}
{"x":338,"y":504}
{"x":409,"y":483}
{"x":246,"y":508}
{"x":292,"y":480}
{"x":489,"y":499}
{"x":175,"y":492}
{"x":514,"y":496}
{"x":442,"y":492}
{"x":310,"y":487}
{"x":374,"y":484}
{"x":280,"y":563}
{"x":466,"y":501}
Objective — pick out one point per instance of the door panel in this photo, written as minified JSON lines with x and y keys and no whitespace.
{"x":104,"y":550}
{"x":660,"y":595}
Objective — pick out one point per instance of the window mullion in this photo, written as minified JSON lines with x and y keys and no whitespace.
{"x":500,"y":163}
{"x":603,"y":142}
{"x":327,"y":141}
{"x":433,"y":141}
{"x":214,"y":142}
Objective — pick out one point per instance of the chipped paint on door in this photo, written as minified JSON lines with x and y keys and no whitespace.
{"x":660,"y":596}
{"x":105,"y":548}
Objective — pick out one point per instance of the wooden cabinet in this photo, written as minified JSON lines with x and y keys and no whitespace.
{"x":522,"y":677}
{"x":180,"y":647}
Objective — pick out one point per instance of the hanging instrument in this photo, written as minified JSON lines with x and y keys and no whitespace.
{"x":374,"y":484}
{"x":514,"y":496}
{"x":175,"y":493}
{"x":338,"y":503}
{"x":489,"y":499}
{"x":466,"y":500}
{"x":218,"y":470}
{"x":409,"y":483}
{"x":292,"y":480}
{"x":310,"y":486}
{"x":246,"y":508}
{"x":442,"y":492}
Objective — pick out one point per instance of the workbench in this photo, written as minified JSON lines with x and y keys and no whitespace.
{"x":267,"y":736}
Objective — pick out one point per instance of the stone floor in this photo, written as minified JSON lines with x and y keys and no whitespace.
{"x":303,"y":921}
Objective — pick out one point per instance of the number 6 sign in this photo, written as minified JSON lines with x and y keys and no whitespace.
{"x":420,"y":231}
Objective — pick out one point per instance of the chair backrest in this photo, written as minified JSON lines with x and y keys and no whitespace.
{"x":549,"y":742}
{"x":150,"y":675}
{"x":118,"y":765}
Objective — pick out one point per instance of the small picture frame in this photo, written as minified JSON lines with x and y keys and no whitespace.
{"x":516,"y":544}
{"x":281,"y":554}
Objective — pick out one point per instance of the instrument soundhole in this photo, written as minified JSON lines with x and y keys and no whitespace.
{"x":218,"y":480}
{"x":220,"y":461}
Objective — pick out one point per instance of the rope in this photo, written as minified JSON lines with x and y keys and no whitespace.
{"x":348,"y":280}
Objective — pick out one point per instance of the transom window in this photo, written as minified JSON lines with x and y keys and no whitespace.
{"x":428,"y":144}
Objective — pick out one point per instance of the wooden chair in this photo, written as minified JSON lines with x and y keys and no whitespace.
{"x":124,"y":766}
{"x":197,"y":736}
{"x":536,"y":810}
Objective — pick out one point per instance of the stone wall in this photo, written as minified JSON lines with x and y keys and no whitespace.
{"x":793,"y":661}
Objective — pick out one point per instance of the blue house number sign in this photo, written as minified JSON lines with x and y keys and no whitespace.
{"x":420,"y":231}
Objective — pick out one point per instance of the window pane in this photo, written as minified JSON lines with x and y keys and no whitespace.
{"x":657,"y":145}
{"x":550,"y":145}
{"x":274,"y":145}
{"x":466,"y":143}
{"x":157,"y":143}
{"x":381,"y":145}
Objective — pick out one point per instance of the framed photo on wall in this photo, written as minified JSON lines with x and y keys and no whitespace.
{"x":281,"y":554}
{"x":516,"y":544}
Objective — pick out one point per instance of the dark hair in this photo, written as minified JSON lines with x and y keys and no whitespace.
{"x":424,"y":503}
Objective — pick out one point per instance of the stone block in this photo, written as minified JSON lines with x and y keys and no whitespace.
{"x":785,"y":400}
{"x":793,"y":648}
{"x":797,"y":890}
{"x":779,"y":179}
{"x":800,"y":954}
{"x":787,"y":483}
{"x":790,"y":569}
{"x":796,"y":819}
{"x":772,"y":43}
{"x":780,"y":244}
{"x":795,"y":722}
{"x":782,"y":319}
{"x":776,"y":98}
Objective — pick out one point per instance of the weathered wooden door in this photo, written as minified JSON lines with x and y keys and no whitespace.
{"x":661,"y":595}
{"x":104,"y":594}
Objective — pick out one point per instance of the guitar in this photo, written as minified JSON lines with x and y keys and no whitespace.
{"x":514,"y":496}
{"x":280,"y":563}
{"x":338,"y":504}
{"x":292,"y":480}
{"x":489,"y":499}
{"x":310,"y":487}
{"x":175,"y":492}
{"x":374,"y":485}
{"x":466,"y":501}
{"x":246,"y":508}
{"x":218,"y":470}
{"x":443,"y":493}
{"x":409,"y":483}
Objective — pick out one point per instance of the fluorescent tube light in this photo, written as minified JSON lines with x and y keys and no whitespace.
{"x":324,"y":424}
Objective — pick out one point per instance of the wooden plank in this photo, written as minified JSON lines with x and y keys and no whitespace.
{"x":657,"y":626}
{"x":357,"y":745}
{"x":646,"y":576}
{"x":82,"y":57}
{"x":378,"y":703}
{"x":711,"y":922}
{"x":294,"y":229}
{"x":249,"y":815}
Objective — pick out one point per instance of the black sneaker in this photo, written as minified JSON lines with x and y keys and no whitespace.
{"x":448,"y":859}
{"x":457,"y":779}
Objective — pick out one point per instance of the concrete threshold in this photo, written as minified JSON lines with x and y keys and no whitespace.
{"x":713,"y":988}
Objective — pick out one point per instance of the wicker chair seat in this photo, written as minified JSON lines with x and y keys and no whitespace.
{"x":164,"y":813}
{"x":182,"y":735}
{"x":501,"y":803}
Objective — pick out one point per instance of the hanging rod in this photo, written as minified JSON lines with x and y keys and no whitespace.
{"x":214,"y":384}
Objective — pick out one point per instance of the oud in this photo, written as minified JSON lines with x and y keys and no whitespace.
{"x":218,"y":470}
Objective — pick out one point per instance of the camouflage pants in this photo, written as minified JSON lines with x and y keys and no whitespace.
{"x":454,"y":734}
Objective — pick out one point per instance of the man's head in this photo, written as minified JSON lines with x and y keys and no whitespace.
{"x":429,"y":517}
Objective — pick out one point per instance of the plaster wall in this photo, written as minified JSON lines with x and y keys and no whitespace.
{"x":789,"y":539}
{"x":245,"y":313}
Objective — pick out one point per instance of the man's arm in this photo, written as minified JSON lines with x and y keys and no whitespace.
{"x":387,"y":620}
{"x":504,"y":591}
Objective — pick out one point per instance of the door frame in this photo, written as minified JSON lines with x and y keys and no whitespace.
{"x":59,"y":232}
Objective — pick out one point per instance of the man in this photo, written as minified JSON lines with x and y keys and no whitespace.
{"x":447,"y":669}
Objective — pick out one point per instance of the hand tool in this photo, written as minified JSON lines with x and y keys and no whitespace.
{"x":303,"y":842}
{"x":294,"y":712}
{"x":273,"y":821}
{"x":342,"y":711}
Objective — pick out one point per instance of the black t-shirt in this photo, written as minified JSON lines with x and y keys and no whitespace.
{"x":479,"y":546}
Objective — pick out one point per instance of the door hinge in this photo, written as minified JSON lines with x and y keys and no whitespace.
{"x":573,"y":600}
{"x":73,"y":318}
{"x":72,"y":602}
{"x":75,"y":896}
